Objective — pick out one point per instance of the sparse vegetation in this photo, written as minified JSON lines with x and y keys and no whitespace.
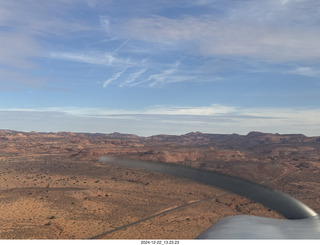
{"x":53,"y":185}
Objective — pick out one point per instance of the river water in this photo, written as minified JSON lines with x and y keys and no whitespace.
{"x":276,"y":200}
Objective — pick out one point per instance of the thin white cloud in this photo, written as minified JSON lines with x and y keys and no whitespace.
{"x":50,"y":17}
{"x":306,"y":71}
{"x":270,"y":31}
{"x":163,"y":76}
{"x":133,"y":77}
{"x":172,"y":74}
{"x":94,"y":58}
{"x":232,"y":39}
{"x":284,"y":13}
{"x":113,"y":78}
{"x":166,"y":78}
{"x":212,"y":110}
{"x":26,"y":27}
{"x":167,"y":120}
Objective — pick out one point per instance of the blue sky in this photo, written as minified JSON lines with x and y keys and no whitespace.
{"x":153,"y":67}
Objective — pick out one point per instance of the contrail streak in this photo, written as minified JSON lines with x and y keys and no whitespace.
{"x":120,"y":46}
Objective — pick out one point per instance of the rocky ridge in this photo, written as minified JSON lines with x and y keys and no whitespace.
{"x":58,"y":180}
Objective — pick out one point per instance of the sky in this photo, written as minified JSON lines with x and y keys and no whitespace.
{"x":160,"y":67}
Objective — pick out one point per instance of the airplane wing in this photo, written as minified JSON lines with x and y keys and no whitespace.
{"x":254,"y":227}
{"x":302,"y":221}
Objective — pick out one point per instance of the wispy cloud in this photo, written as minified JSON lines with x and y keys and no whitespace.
{"x":271,"y":30}
{"x":147,"y":75}
{"x":306,"y":71}
{"x":162,"y":44}
{"x":26,"y":28}
{"x":167,"y":77}
{"x":94,"y":58}
{"x":41,"y":19}
{"x":210,"y":37}
{"x":169,"y":74}
{"x":133,"y":77}
{"x":168,"y":120}
{"x":113,"y":78}
{"x":137,"y":72}
{"x":154,"y":79}
{"x":212,"y":110}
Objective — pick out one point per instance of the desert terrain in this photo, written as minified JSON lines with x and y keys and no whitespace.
{"x":53,"y":186}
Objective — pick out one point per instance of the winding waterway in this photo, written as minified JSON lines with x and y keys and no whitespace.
{"x":280,"y":202}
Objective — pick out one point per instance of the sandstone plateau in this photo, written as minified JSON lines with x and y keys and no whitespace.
{"x":53,"y":186}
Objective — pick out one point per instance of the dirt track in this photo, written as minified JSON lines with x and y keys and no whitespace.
{"x":53,"y":187}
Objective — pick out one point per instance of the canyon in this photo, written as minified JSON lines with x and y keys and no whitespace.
{"x":54,"y":186}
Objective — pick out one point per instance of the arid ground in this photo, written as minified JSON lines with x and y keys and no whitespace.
{"x":53,"y":186}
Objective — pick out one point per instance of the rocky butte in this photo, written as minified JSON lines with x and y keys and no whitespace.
{"x":53,"y":186}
